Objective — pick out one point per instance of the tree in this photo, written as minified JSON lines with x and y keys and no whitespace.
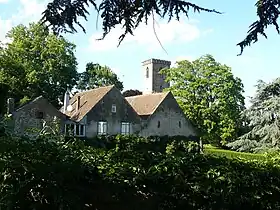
{"x":36,"y":63}
{"x":263,"y":119}
{"x":210,"y":96}
{"x":97,"y":76}
{"x":62,"y":15}
{"x":131,"y":92}
{"x":3,"y":97}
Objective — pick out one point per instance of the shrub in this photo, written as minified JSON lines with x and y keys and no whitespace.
{"x":128,"y":172}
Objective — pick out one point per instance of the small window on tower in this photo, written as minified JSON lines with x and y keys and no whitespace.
{"x":147,"y":72}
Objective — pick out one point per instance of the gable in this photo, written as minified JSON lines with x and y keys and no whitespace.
{"x":146,"y":105}
{"x":42,"y":105}
{"x":103,"y":109}
{"x":171,"y":103}
{"x":88,"y":100}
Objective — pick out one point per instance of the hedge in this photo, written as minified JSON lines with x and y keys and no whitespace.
{"x":127,"y":172}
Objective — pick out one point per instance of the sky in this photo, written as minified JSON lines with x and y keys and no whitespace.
{"x":200,"y":34}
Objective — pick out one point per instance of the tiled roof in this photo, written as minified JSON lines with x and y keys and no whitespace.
{"x":146,"y":104}
{"x":44,"y":103}
{"x":88,"y":99}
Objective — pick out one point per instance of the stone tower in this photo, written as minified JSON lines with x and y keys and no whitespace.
{"x":153,"y":81}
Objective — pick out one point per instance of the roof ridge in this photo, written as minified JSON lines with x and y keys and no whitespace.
{"x":149,"y":94}
{"x":86,"y":91}
{"x":163,"y":98}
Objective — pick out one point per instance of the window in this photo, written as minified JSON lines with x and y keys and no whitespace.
{"x":179,"y":124}
{"x":114,"y":108}
{"x":39,"y":115}
{"x":125,"y":128}
{"x":80,"y":130}
{"x":77,"y":129}
{"x":158,"y":124}
{"x":147,"y":72}
{"x":102,"y":128}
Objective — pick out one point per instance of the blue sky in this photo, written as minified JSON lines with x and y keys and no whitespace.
{"x":204,"y":33}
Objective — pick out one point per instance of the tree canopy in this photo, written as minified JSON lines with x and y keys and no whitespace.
{"x":37,"y":62}
{"x":262,"y":118}
{"x":210,"y":96}
{"x":97,"y":76}
{"x":63,"y":15}
{"x":131,"y":92}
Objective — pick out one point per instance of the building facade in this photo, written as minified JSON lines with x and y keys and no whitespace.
{"x":105,"y":111}
{"x":153,"y":80}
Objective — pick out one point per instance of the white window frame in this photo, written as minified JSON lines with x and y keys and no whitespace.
{"x":76,"y":127}
{"x":125,"y":128}
{"x":102,"y":128}
{"x":114,"y":108}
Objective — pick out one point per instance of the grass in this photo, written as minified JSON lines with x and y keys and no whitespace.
{"x":208,"y":149}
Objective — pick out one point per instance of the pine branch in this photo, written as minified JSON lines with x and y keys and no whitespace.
{"x":268,"y":13}
{"x":63,"y":15}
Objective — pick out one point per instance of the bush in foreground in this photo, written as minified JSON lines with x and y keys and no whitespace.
{"x":58,"y":173}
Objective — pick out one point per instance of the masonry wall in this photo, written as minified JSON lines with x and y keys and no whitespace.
{"x":168,"y":120}
{"x":26,"y":121}
{"x":155,"y":81}
{"x":103,"y":112}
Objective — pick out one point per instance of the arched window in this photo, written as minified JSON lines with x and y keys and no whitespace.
{"x":147,"y":72}
{"x":158,"y":124}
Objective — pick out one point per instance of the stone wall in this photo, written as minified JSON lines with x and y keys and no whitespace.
{"x":169,"y":120}
{"x":30,"y":119}
{"x":103,"y":112}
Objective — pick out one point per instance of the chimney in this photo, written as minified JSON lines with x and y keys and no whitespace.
{"x":78,"y":103}
{"x":10,"y":105}
{"x":66,"y":100}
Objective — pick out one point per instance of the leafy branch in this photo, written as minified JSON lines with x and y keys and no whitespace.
{"x":62,"y":15}
{"x":268,"y":13}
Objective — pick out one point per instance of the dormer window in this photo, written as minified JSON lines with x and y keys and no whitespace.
{"x":114,"y":108}
{"x":147,"y":72}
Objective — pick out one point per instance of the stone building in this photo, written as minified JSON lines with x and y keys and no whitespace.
{"x":30,"y":118}
{"x":100,"y":111}
{"x":104,"y":110}
{"x":161,"y":115}
{"x":153,"y":80}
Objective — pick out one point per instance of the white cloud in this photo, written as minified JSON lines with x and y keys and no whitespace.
{"x":208,"y":31}
{"x":28,"y":11}
{"x":3,"y":1}
{"x":5,"y":26}
{"x":144,"y":35}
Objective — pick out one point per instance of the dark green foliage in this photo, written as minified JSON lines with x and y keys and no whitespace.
{"x":4,"y":89}
{"x":36,"y":63}
{"x":268,"y":13}
{"x":210,"y":96}
{"x":262,"y":119}
{"x":131,"y":92}
{"x":57,"y":173}
{"x":62,"y":15}
{"x":97,"y":76}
